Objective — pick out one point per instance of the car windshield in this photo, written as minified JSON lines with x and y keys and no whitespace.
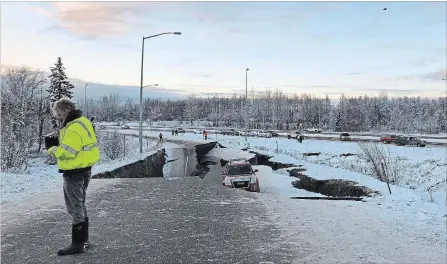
{"x":240,"y":169}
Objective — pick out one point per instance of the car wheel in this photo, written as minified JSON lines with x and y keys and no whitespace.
{"x":288,"y":137}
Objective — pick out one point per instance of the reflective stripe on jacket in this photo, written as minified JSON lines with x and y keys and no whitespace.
{"x":78,"y":147}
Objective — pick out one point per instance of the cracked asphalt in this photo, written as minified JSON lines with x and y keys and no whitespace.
{"x":153,"y":220}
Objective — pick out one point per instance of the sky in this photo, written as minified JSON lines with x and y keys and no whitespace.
{"x":322,"y":48}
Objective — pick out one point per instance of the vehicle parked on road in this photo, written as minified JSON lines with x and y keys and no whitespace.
{"x":410,"y":141}
{"x":388,"y":139}
{"x":102,"y":127}
{"x":229,"y":132}
{"x":265,"y":134}
{"x":198,"y":131}
{"x":238,"y":173}
{"x":273,"y":133}
{"x":313,"y":130}
{"x":125,"y":127}
{"x":241,"y":133}
{"x":294,"y":134}
{"x":345,"y":137}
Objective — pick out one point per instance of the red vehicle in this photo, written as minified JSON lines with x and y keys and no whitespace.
{"x":388,"y":139}
{"x":238,"y":173}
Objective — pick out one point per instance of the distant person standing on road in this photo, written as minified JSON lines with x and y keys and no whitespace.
{"x":176,"y":132}
{"x":161,"y":137}
{"x":205,"y":133}
{"x":76,"y":151}
{"x":173,"y":132}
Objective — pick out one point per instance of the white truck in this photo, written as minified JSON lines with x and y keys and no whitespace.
{"x":294,"y":134}
{"x":313,"y":130}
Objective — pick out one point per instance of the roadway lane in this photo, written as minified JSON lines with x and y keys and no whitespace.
{"x":154,"y":220}
{"x":328,"y":136}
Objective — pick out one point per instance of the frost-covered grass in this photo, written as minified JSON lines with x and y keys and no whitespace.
{"x":418,"y":167}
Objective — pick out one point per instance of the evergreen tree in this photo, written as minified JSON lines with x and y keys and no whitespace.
{"x":59,"y":85}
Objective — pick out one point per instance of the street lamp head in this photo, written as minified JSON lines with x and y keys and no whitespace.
{"x":247,"y":69}
{"x":177,"y":33}
{"x":150,"y":85}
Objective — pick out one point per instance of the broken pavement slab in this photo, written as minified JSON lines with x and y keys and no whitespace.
{"x":330,"y":187}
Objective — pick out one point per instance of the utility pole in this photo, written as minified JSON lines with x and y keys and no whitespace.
{"x":246,"y":95}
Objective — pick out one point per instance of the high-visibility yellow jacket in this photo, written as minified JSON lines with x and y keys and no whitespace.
{"x":78,"y":148}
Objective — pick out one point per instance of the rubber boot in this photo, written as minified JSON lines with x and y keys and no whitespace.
{"x":86,"y":242}
{"x":77,"y":241}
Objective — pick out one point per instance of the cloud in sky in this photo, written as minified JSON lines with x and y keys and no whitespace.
{"x":91,"y":19}
{"x":435,"y":76}
{"x":294,"y":46}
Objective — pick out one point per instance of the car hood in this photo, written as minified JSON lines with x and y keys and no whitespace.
{"x":240,"y":178}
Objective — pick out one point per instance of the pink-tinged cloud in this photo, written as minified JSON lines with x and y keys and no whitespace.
{"x":435,"y":76}
{"x":92,"y":19}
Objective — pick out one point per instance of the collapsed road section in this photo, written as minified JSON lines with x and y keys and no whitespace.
{"x":182,"y":161}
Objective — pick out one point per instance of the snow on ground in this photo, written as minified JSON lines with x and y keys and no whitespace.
{"x":353,"y":232}
{"x":229,"y":153}
{"x":280,"y":184}
{"x":37,"y":178}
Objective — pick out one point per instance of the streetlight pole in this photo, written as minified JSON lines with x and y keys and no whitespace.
{"x":141,"y":83}
{"x":85,"y":100}
{"x":150,"y":85}
{"x":246,"y":95}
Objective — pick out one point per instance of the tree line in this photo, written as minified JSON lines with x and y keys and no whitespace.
{"x":276,"y":110}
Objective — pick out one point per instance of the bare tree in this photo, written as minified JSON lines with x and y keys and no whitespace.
{"x":43,"y":113}
{"x":20,"y":111}
{"x":112,"y":144}
{"x":381,"y":164}
{"x":191,"y":108}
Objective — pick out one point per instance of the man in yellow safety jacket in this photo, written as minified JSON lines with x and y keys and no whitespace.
{"x":76,"y":151}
